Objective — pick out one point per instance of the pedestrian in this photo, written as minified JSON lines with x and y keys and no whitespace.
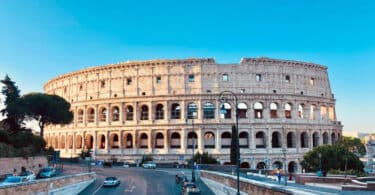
{"x":278,"y":176}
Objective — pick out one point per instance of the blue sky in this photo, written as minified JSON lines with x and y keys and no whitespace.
{"x":42,"y":39}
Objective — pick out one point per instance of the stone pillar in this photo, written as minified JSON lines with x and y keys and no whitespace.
{"x":183,"y":140}
{"x":149,"y":140}
{"x":74,"y":143}
{"x":200,"y":139}
{"x":217,"y":141}
{"x":166,"y":141}
{"x":107,"y":138}
{"x":97,"y":114}
{"x":95,"y":143}
{"x":135,"y":143}
{"x":269,"y":139}
{"x":252,"y":138}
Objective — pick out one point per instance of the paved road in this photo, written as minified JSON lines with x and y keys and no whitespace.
{"x":139,"y":181}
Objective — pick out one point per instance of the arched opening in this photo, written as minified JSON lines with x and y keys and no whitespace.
{"x":315,"y":139}
{"x":291,"y":140}
{"x":159,"y":140}
{"x":159,"y":112}
{"x":333,"y":138}
{"x":312,"y":112}
{"x":276,"y":140}
{"x":80,"y":116}
{"x":323,"y":112}
{"x":78,"y":142}
{"x":175,"y":140}
{"x":70,"y":141}
{"x":209,"y":140}
{"x":260,"y":141}
{"x":129,"y":113}
{"x":143,"y":141}
{"x":292,"y":167}
{"x":288,"y":110}
{"x":277,"y":165}
{"x":226,"y":140}
{"x":175,"y":111}
{"x":144,"y":112}
{"x":192,"y":140}
{"x":261,"y":165}
{"x":89,"y":140}
{"x":62,"y":142}
{"x":243,"y":139}
{"x":114,"y":141}
{"x":331,"y":113}
{"x":227,"y":163}
{"x":103,"y":114}
{"x":325,"y":138}
{"x":208,"y":111}
{"x":101,"y":141}
{"x":192,"y":111}
{"x":225,"y":111}
{"x":242,"y":110}
{"x":300,"y":110}
{"x":128,"y":140}
{"x":273,"y":110}
{"x":245,"y":165}
{"x":90,"y":115}
{"x":304,"y":140}
{"x":115,"y":113}
{"x":258,"y":110}
{"x":56,"y":144}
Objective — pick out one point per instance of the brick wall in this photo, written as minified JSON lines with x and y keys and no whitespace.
{"x":7,"y":165}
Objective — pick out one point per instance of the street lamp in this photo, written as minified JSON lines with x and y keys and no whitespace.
{"x":320,"y":164}
{"x":192,"y":113}
{"x":223,"y":98}
{"x":285,"y":172}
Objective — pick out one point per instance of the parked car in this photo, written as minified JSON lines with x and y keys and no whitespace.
{"x":12,"y":180}
{"x":111,"y":181}
{"x":28,"y":175}
{"x":47,"y":172}
{"x":149,"y":165}
{"x":126,"y":165}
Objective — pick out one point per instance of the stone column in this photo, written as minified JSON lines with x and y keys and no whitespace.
{"x":74,"y":143}
{"x":166,"y":141}
{"x":252,"y":138}
{"x":97,"y":114}
{"x":268,"y":139}
{"x":107,"y":138}
{"x":149,"y":140}
{"x":217,"y":141}
{"x":183,"y":140}
{"x":200,"y":139}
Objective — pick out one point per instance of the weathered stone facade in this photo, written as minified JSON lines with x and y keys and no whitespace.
{"x":135,"y":108}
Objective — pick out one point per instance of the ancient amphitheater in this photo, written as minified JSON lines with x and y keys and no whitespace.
{"x":164,"y":108}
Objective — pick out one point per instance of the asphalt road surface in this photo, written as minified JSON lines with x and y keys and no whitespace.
{"x":137,"y":181}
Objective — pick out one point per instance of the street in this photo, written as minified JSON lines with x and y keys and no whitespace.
{"x":138,"y":181}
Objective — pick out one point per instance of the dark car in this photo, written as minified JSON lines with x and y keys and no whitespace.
{"x":111,"y":181}
{"x":47,"y":172}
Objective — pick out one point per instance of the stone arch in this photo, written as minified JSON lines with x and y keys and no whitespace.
{"x":101,"y":141}
{"x":315,"y":138}
{"x":114,"y":141}
{"x":304,"y":140}
{"x":175,"y":111}
{"x":209,"y":140}
{"x":245,"y":165}
{"x":89,"y":140}
{"x":103,"y":114}
{"x":90,"y":115}
{"x":78,"y":141}
{"x":258,"y":110}
{"x":261,"y":165}
{"x":291,"y":140}
{"x":273,"y":110}
{"x":243,"y":139}
{"x":143,"y":140}
{"x":129,"y":113}
{"x":276,"y":139}
{"x":192,"y":140}
{"x":208,"y":110}
{"x":288,"y":110}
{"x":325,"y":138}
{"x":159,"y":112}
{"x":242,"y":110}
{"x":225,"y":110}
{"x":62,"y":141}
{"x":115,"y":112}
{"x":144,"y":112}
{"x":277,"y":165}
{"x":80,"y":116}
{"x":300,"y":110}
{"x":159,"y":138}
{"x":312,"y":112}
{"x":260,"y":140}
{"x":333,"y":138}
{"x":226,"y":139}
{"x":323,"y":112}
{"x":175,"y":140}
{"x":56,"y":142}
{"x":128,"y":140}
{"x":70,"y":141}
{"x":292,"y":167}
{"x":192,"y":111}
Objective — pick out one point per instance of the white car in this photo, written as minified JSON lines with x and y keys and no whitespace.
{"x":111,"y":181}
{"x":149,"y":165}
{"x":125,"y":165}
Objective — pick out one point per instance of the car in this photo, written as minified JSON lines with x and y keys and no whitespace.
{"x":190,"y":188}
{"x":12,"y":180}
{"x":149,"y":165}
{"x":111,"y":181}
{"x":28,"y":175}
{"x":126,"y":165}
{"x":47,"y":172}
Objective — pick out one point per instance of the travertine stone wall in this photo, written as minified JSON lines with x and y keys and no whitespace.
{"x":7,"y":165}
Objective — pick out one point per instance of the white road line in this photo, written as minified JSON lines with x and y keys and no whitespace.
{"x":97,"y":189}
{"x":130,"y":189}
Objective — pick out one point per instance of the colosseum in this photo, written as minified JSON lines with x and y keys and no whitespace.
{"x":165,"y":108}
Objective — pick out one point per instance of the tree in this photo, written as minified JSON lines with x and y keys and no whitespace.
{"x":13,"y":107}
{"x":353,"y":144}
{"x":233,"y":147}
{"x":204,"y":158}
{"x":47,"y":109}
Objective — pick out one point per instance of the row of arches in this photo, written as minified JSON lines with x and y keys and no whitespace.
{"x":276,"y":110}
{"x":160,"y":140}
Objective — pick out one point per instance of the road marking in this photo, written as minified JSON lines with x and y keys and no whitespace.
{"x":130,"y":189}
{"x":158,"y":188}
{"x":97,"y":189}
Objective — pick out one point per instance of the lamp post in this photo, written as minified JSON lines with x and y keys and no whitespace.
{"x":320,"y":164}
{"x":192,"y":115}
{"x":223,"y":99}
{"x":285,"y":172}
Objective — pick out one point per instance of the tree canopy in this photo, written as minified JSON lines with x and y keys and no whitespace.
{"x":353,"y":144}
{"x":47,"y":109}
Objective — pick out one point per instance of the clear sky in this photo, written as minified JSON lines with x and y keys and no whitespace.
{"x":42,"y":39}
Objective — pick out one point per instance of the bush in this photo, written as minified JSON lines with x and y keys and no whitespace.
{"x":146,"y":158}
{"x":4,"y":137}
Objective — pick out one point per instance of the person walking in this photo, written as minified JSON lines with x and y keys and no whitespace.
{"x":278,"y":176}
